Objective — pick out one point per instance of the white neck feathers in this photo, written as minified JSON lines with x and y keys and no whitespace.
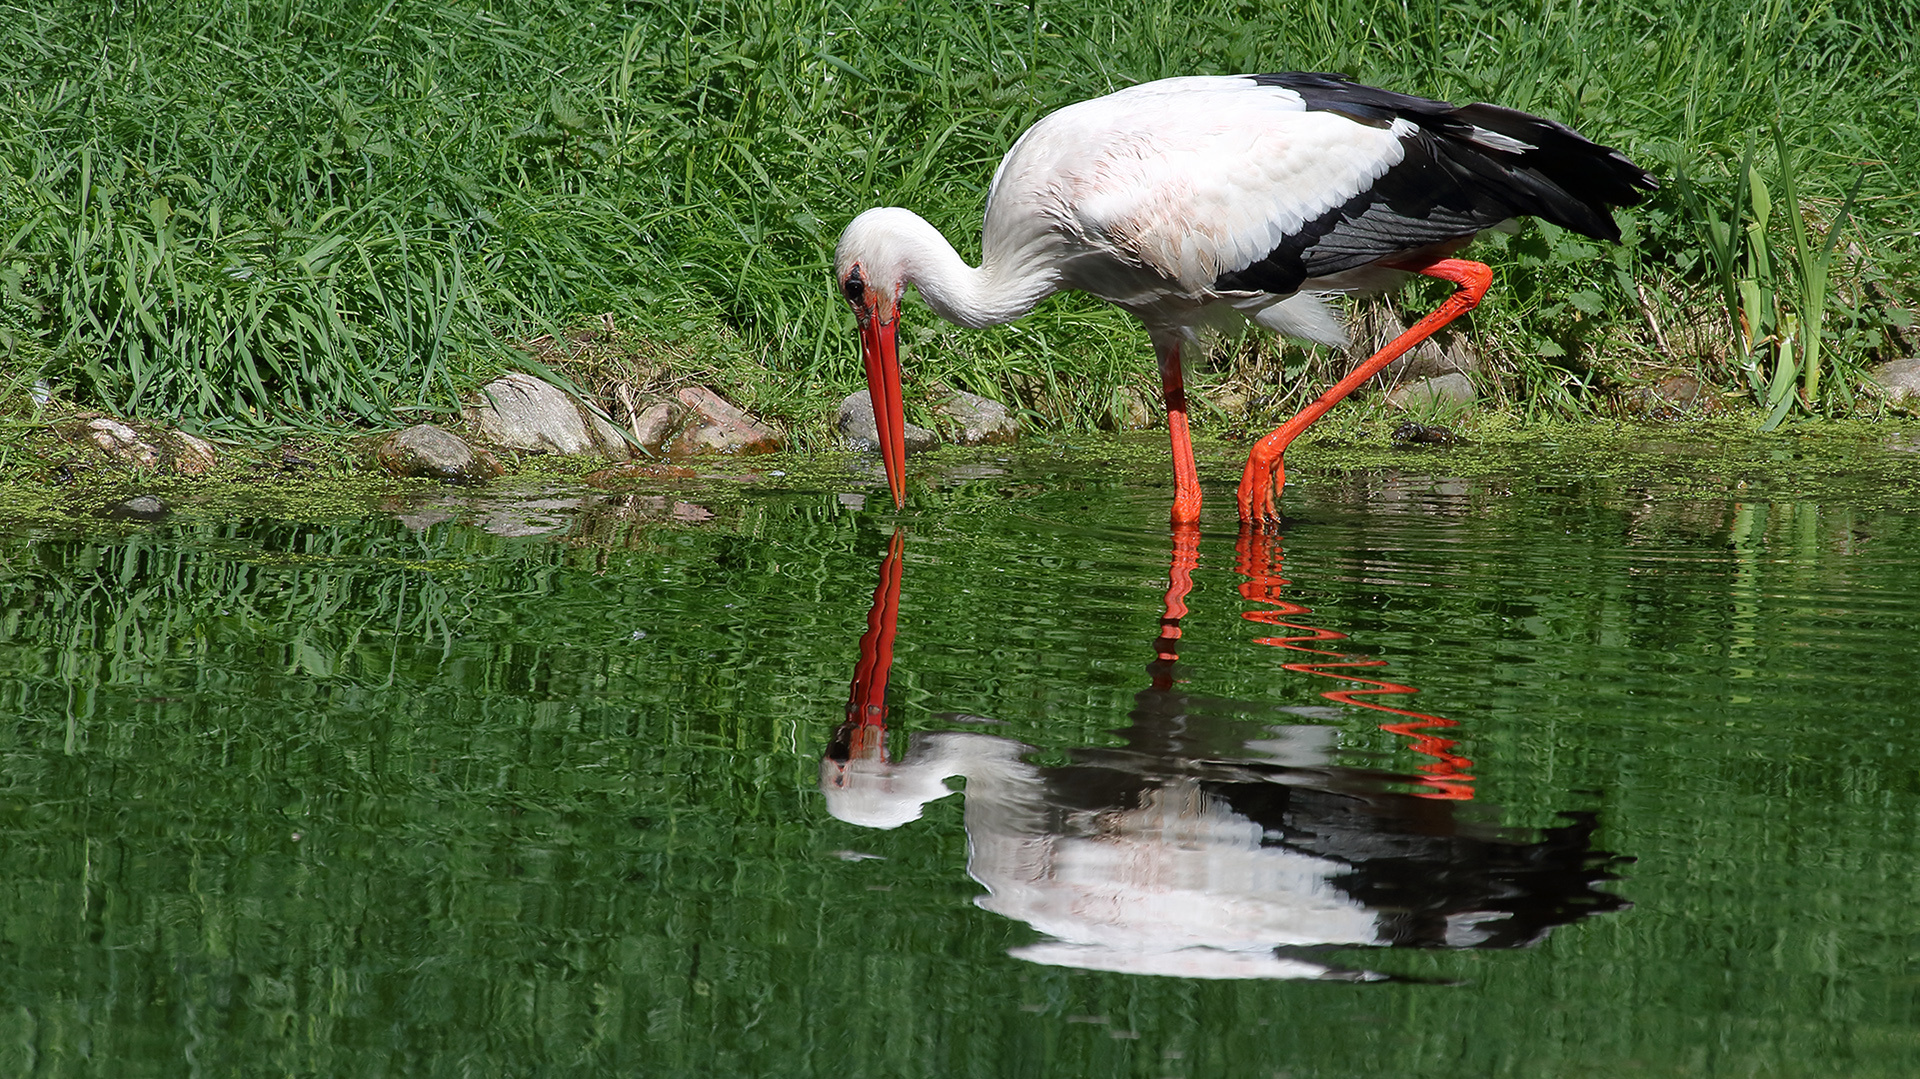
{"x":898,"y":247}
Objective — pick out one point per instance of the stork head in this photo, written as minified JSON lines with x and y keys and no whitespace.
{"x":871,"y":267}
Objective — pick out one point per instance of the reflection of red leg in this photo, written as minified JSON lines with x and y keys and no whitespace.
{"x":1266,"y":474}
{"x":1186,"y":555}
{"x":1186,"y":477}
{"x":1449,"y":775}
{"x":867,"y":700}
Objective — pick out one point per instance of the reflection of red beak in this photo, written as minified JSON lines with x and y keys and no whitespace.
{"x":881,"y":352}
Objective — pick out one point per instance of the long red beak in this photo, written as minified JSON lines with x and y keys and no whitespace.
{"x":879,"y":348}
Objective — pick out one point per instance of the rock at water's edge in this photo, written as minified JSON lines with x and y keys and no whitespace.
{"x":147,"y":447}
{"x":653,"y":427}
{"x":521,"y":412}
{"x":1899,"y":382}
{"x":1676,"y":396}
{"x":1129,"y":411}
{"x":1451,"y":390}
{"x":715,"y":426}
{"x":1448,"y":352}
{"x":857,"y":426}
{"x":979,"y":421}
{"x":426,"y":450}
{"x":122,"y":443}
{"x":138,"y":508}
{"x":191,"y":456}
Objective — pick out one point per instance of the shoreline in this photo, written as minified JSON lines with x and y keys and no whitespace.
{"x":47,"y":481}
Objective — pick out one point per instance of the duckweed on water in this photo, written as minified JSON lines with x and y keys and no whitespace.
{"x":1870,"y":463}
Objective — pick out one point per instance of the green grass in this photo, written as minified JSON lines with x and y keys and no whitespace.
{"x":272,"y":213}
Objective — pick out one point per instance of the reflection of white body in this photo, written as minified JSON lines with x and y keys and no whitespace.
{"x":1180,"y":884}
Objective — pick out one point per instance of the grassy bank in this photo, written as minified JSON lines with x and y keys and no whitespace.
{"x":274,"y":213}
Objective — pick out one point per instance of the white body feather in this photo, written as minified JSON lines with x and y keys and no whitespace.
{"x":1170,"y":184}
{"x":1144,"y":198}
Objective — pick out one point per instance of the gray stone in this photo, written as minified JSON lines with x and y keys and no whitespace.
{"x":139,"y":508}
{"x":1676,"y":396}
{"x":716,"y":426}
{"x":123,"y":443}
{"x":613,"y":441}
{"x":1450,"y":391}
{"x":521,"y":412}
{"x":857,"y":426}
{"x":141,"y":446}
{"x":426,"y":450}
{"x":1232,"y":402}
{"x":1899,"y":382}
{"x":978,"y":421}
{"x":191,"y":456}
{"x":653,"y":427}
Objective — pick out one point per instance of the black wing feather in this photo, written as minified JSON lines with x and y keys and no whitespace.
{"x":1459,"y":176}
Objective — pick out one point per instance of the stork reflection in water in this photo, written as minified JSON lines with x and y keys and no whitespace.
{"x":1208,"y":846}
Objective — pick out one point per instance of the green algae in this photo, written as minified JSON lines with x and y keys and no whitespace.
{"x":1869,"y":462}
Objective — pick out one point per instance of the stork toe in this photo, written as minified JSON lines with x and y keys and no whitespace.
{"x":1258,"y":485}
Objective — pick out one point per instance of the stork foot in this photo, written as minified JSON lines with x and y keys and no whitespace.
{"x":1186,"y":505}
{"x":1260,"y":485}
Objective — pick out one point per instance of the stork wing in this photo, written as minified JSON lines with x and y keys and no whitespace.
{"x":1462,"y":170}
{"x":1211,"y":185}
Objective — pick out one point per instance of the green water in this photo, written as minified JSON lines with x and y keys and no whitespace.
{"x":408,"y":796}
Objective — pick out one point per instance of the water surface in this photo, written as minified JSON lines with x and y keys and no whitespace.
{"x":1615,"y":777}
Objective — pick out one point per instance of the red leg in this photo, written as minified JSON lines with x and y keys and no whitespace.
{"x":1186,"y":477}
{"x":1266,"y":474}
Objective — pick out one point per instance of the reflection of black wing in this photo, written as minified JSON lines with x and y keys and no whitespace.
{"x":1428,"y":866}
{"x":1523,"y":889}
{"x":1439,"y":873}
{"x":1437,"y":878}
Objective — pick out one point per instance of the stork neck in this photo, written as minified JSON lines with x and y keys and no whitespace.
{"x":1000,"y":290}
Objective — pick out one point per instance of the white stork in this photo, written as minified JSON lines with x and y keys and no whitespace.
{"x":1191,"y":201}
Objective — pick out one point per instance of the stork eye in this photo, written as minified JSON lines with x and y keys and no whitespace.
{"x":854,"y":287}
